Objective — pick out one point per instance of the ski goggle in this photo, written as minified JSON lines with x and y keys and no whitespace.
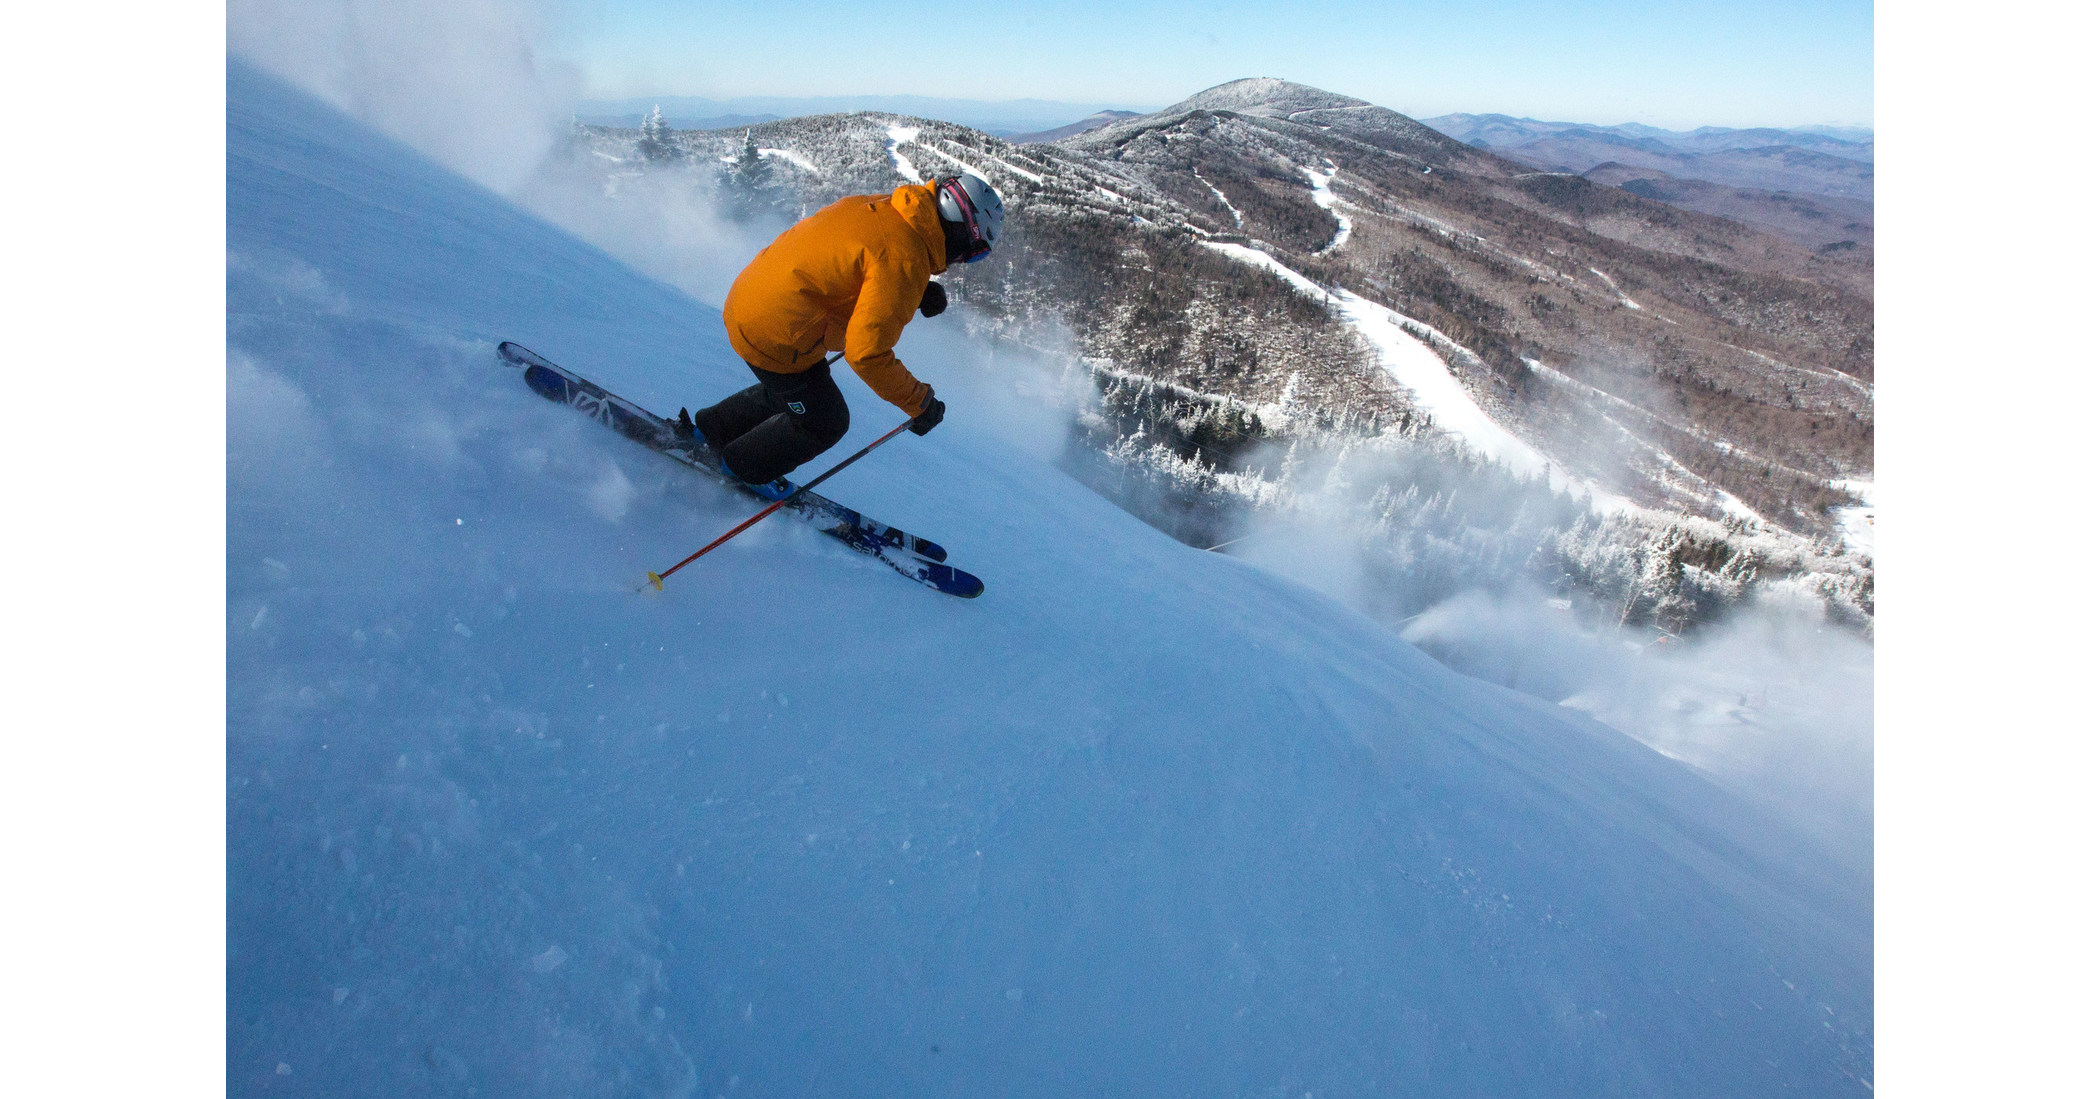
{"x":979,"y":247}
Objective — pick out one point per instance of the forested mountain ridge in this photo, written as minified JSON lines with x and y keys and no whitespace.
{"x":1243,"y":247}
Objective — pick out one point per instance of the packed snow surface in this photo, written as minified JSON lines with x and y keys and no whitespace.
{"x":1323,"y":197}
{"x":1238,"y":220}
{"x":1856,"y":524}
{"x":1139,"y":821}
{"x":1009,"y":166}
{"x":792,"y":157}
{"x":1415,"y":364}
{"x":900,"y":136}
{"x":1623,"y":299}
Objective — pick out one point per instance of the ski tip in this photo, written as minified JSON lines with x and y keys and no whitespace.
{"x":656,"y":581}
{"x":954,"y":581}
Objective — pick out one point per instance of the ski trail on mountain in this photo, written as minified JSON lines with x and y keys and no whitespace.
{"x":1238,"y":222}
{"x":1623,"y":299}
{"x":1416,"y":366}
{"x":901,"y":136}
{"x":792,"y":157}
{"x":1856,"y":524}
{"x":1323,"y":196}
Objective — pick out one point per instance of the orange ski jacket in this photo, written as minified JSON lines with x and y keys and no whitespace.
{"x":846,"y":278}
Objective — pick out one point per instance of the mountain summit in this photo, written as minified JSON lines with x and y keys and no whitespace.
{"x":1280,"y":265}
{"x":1265,"y":96}
{"x":1269,"y":98}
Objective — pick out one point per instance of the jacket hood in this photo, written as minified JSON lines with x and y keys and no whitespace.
{"x":921,"y":211}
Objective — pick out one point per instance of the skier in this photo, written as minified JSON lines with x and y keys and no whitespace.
{"x":844,"y":279}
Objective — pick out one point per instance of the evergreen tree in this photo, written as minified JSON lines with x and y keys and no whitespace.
{"x":750,"y":166}
{"x":655,"y":144}
{"x":744,"y":183}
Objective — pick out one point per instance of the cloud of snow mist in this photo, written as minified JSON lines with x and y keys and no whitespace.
{"x":664,"y":221}
{"x":1022,"y":389}
{"x":1316,"y":549}
{"x":1770,"y":701}
{"x":465,"y":83}
{"x":461,"y":81}
{"x":1600,"y":451}
{"x":1395,"y":524}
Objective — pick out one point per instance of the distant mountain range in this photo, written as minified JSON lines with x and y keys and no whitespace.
{"x":1500,"y":132}
{"x":1091,"y":122}
{"x":997,"y":117}
{"x":1811,"y":184}
{"x":1270,"y":261}
{"x":1832,"y":223}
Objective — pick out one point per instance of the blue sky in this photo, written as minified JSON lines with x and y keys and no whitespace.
{"x":1761,"y":62}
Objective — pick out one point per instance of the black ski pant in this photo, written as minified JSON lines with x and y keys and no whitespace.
{"x":785,"y":420}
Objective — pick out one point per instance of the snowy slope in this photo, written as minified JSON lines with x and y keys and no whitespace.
{"x":1412,"y":362}
{"x":1140,"y":821}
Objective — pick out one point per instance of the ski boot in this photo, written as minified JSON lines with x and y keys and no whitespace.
{"x":705,"y":452}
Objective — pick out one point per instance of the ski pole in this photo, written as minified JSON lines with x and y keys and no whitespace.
{"x":656,"y":579}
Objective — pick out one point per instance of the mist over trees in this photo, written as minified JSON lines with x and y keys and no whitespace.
{"x":1717,"y":379}
{"x":655,"y":143}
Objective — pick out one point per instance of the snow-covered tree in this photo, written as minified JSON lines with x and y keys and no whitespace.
{"x":744,"y":182}
{"x":656,"y":144}
{"x":750,"y":165}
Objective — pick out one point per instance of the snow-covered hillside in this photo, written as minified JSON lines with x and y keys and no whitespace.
{"x":1309,"y":274}
{"x":1139,"y":821}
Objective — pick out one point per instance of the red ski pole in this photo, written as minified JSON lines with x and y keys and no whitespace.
{"x":656,"y":579}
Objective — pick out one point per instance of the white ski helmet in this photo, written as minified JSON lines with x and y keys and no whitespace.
{"x":970,"y":202}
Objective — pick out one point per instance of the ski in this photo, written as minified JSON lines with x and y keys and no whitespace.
{"x":916,"y":558}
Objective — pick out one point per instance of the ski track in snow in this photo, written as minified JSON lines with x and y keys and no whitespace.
{"x":1840,"y":377}
{"x":1623,"y":299}
{"x":1856,"y":524}
{"x":792,"y":157}
{"x":498,"y":824}
{"x":901,"y":136}
{"x":1688,"y":484}
{"x":1416,"y":365}
{"x":1732,"y":504}
{"x":1629,"y":302}
{"x":1452,"y":232}
{"x":1010,"y":166}
{"x":949,"y":157}
{"x":1728,"y":502}
{"x":1323,"y":196}
{"x":1402,"y":213}
{"x":1238,"y":222}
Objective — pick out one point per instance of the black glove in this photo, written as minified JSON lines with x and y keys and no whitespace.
{"x":926,"y":420}
{"x":933,"y":302}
